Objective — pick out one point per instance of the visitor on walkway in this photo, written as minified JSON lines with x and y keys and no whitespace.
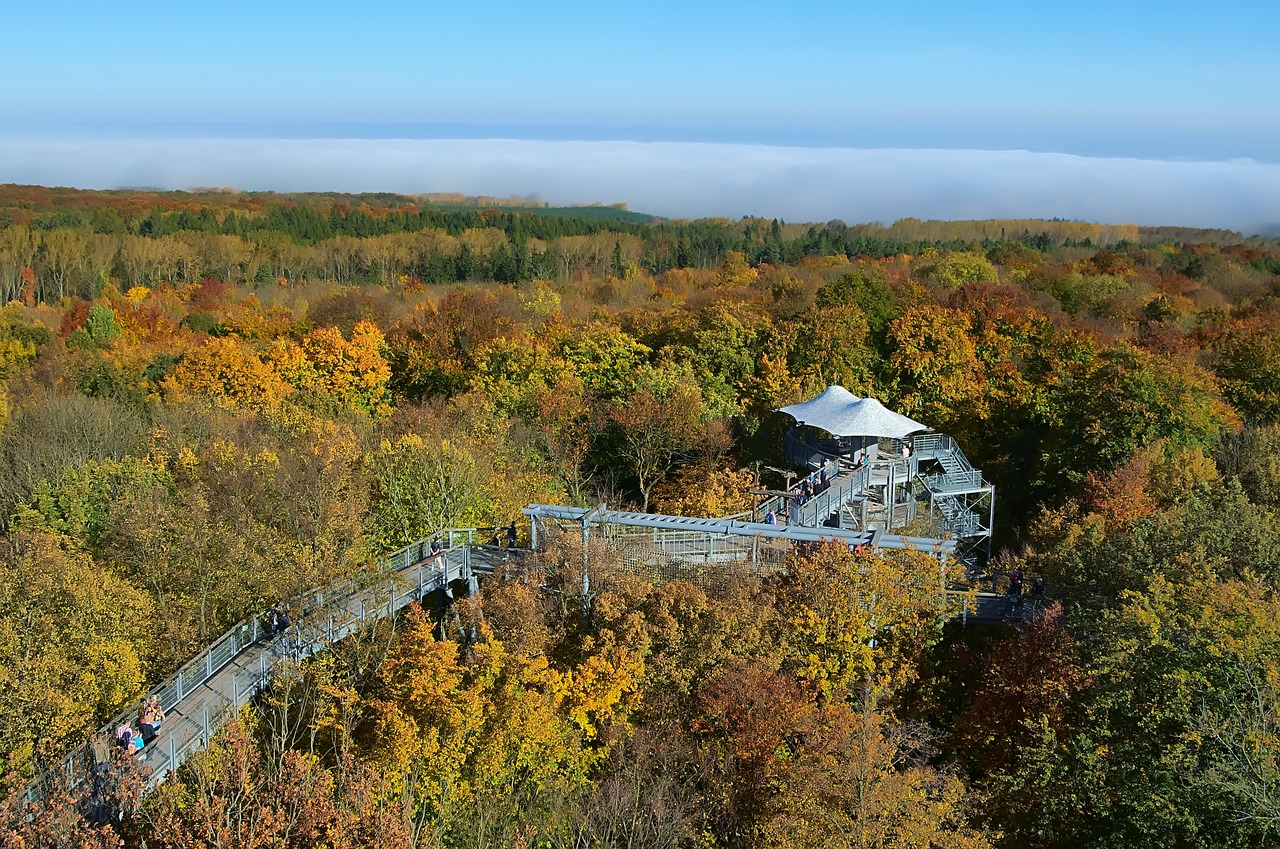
{"x":149,"y":721}
{"x":435,"y":545}
{"x":124,"y":738}
{"x":511,"y":535}
{"x":770,"y":518}
{"x":1014,"y":604}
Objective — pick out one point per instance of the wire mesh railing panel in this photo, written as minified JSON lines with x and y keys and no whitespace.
{"x":244,"y":634}
{"x":955,"y":481}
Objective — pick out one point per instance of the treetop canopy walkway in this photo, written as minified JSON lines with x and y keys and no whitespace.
{"x":733,"y":535}
{"x":211,"y":688}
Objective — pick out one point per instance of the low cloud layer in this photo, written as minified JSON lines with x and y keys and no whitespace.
{"x":686,"y":179}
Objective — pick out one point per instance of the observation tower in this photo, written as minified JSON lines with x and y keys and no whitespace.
{"x":868,"y":468}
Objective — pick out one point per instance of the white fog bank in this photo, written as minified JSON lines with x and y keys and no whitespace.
{"x":678,"y":179}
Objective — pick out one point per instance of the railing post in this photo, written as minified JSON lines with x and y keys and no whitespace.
{"x":208,"y":664}
{"x":205,"y":710}
{"x":330,"y":628}
{"x":178,"y":685}
{"x":173,"y":765}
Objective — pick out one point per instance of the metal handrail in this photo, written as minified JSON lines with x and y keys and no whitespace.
{"x":937,"y":444}
{"x":955,"y":480}
{"x":834,"y":497}
{"x":200,"y":669}
{"x":309,"y":637}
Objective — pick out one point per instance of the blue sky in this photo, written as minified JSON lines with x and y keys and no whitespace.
{"x":1143,"y":80}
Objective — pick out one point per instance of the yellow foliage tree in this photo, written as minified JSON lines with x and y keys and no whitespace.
{"x":857,"y":620}
{"x":71,"y":651}
{"x":934,"y":365}
{"x":860,"y":782}
{"x":226,"y":372}
{"x":352,"y":374}
{"x":701,"y":489}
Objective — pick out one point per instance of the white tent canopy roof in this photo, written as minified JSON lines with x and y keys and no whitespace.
{"x":841,"y":413}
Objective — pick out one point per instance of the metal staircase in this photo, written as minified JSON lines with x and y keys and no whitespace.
{"x":961,"y":501}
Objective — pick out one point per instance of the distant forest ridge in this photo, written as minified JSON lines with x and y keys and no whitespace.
{"x":312,"y":216}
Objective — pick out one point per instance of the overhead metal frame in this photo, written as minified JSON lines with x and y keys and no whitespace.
{"x":735,"y":527}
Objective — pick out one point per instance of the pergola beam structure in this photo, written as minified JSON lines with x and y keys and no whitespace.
{"x":734,"y":527}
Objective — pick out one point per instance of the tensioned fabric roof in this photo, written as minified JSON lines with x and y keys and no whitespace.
{"x":841,"y":413}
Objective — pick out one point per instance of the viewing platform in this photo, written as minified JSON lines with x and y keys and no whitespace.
{"x":884,"y":472}
{"x":210,"y":689}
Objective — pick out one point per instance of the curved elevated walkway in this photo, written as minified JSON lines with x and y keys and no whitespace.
{"x":211,"y":688}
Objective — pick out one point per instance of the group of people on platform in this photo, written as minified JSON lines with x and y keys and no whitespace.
{"x":276,"y":621}
{"x":510,"y":532}
{"x":806,"y":488}
{"x":1015,"y":591}
{"x":149,"y":719}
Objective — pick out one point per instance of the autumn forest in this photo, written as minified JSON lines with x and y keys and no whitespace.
{"x":213,"y":401}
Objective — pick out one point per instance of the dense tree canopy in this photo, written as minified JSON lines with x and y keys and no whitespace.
{"x":214,"y":401}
